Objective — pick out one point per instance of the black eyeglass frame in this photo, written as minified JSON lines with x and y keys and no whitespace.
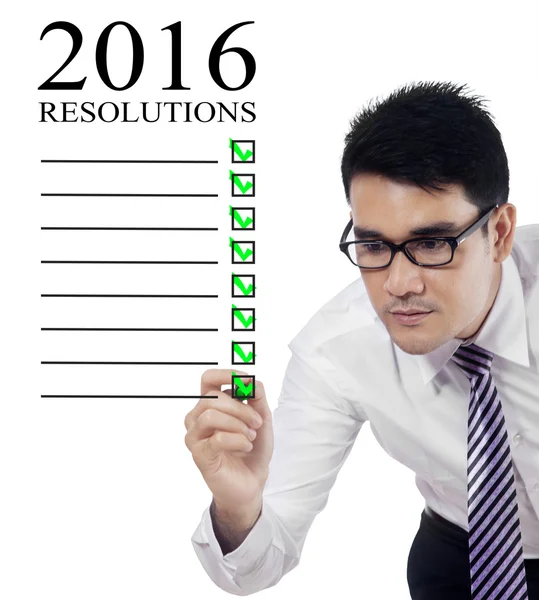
{"x":454,"y":242}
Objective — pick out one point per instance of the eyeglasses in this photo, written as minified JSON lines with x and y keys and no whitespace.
{"x":425,"y":252}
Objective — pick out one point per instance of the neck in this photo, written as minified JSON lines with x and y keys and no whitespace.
{"x":477,"y":323}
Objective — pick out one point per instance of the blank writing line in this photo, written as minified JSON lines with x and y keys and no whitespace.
{"x":129,"y":295}
{"x":143,"y":228}
{"x":68,"y":362}
{"x":85,"y":396}
{"x":116,"y":329}
{"x":131,"y":161}
{"x":142,"y":195}
{"x":134,"y":262}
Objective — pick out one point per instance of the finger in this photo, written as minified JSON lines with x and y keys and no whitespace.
{"x":213,"y":379}
{"x":259,"y":403}
{"x":213,"y":420}
{"x":201,"y":406}
{"x":223,"y":441}
{"x":224,"y":403}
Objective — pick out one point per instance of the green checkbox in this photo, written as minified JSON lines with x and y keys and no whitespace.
{"x":243,"y":184}
{"x":242,"y":251}
{"x":242,"y":150}
{"x":244,"y":284}
{"x":243,"y":353}
{"x":244,"y":317}
{"x":243,"y":390}
{"x":243,"y":217}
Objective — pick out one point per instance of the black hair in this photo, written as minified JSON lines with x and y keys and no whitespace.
{"x":430,"y":134}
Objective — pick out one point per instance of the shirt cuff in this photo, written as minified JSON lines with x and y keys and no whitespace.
{"x":250,"y":551}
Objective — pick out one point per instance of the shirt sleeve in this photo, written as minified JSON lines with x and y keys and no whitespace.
{"x":314,"y":429}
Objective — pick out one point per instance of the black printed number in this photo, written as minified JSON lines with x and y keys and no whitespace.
{"x":137,"y":64}
{"x":215,"y":58}
{"x":101,"y":56}
{"x":76,"y":36}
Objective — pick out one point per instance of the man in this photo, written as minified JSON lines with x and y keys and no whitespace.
{"x":436,"y":345}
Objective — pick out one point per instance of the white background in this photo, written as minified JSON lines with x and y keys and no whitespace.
{"x":100,"y":496}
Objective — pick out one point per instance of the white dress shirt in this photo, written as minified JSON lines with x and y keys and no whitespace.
{"x":345,"y":370}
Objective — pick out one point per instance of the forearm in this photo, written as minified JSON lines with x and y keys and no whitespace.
{"x":231,"y":530}
{"x":266,"y":552}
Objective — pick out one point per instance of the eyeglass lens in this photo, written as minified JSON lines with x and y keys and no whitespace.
{"x":378,"y":254}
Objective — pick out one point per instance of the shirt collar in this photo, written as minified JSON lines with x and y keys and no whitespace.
{"x":503,"y":332}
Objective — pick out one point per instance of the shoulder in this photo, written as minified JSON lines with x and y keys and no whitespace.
{"x":525,"y":251}
{"x":527,"y":239}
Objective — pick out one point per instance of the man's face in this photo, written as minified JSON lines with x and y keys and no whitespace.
{"x":458,"y":294}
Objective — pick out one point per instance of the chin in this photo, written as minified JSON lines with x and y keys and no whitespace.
{"x":412,"y":343}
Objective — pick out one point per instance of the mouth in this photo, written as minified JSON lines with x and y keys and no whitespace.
{"x":410,"y":318}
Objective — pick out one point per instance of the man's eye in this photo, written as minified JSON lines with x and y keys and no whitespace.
{"x":373,"y":248}
{"x":431,"y":245}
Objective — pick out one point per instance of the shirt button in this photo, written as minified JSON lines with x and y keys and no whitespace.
{"x":517,"y":438}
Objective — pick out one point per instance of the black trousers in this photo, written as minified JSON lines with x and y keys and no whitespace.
{"x":438,"y":563}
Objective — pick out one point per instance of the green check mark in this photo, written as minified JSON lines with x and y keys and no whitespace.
{"x":238,"y":152}
{"x":237,"y":217}
{"x":242,"y":187}
{"x":239,"y":315}
{"x":239,"y":351}
{"x":237,"y":249}
{"x":239,"y":283}
{"x":243,"y":390}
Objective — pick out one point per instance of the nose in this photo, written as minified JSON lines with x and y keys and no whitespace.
{"x":403,"y":276}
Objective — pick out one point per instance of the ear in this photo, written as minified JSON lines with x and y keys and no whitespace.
{"x":350,"y":214}
{"x":504,"y":230}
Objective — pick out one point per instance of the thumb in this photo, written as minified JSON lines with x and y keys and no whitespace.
{"x":259,"y":401}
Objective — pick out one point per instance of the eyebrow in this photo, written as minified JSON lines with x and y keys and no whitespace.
{"x":441,"y":228}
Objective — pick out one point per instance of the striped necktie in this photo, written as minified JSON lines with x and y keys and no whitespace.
{"x":495,"y":542}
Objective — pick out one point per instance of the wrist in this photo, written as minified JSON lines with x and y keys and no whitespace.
{"x":243,"y":517}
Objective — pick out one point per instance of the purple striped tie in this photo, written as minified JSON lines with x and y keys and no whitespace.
{"x":495,"y":542}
